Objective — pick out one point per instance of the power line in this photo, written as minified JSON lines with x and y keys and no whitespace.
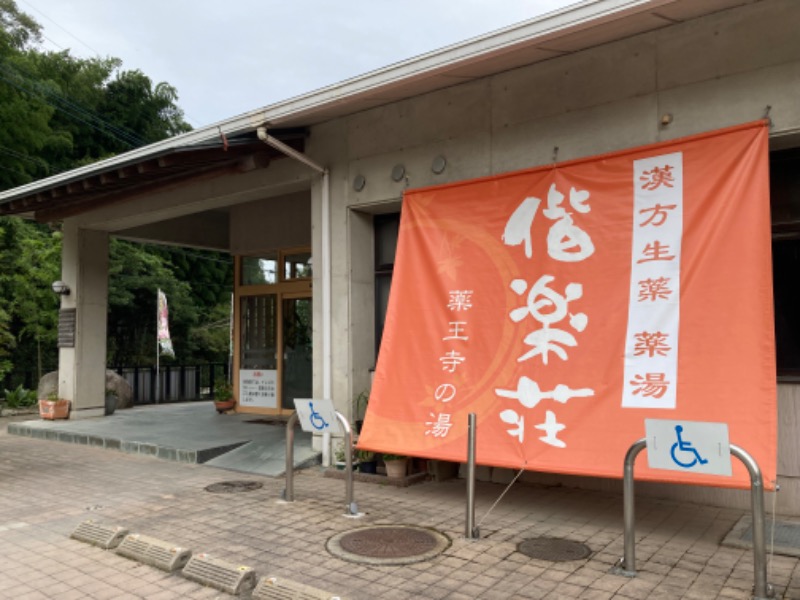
{"x":75,"y":111}
{"x":62,"y":29}
{"x":8,"y":151}
{"x":72,"y":35}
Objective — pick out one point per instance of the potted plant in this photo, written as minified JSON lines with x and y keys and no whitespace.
{"x":359,"y":409}
{"x":223,"y":397}
{"x":367,"y":461}
{"x":396,"y":465}
{"x":340,"y":458}
{"x":111,"y":401}
{"x":53,"y":407}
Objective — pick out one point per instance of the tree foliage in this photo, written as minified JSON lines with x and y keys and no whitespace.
{"x":17,"y":30}
{"x":29,"y":263}
{"x":58,"y":112}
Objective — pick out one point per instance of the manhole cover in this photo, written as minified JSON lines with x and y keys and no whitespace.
{"x":388,"y":544}
{"x":233,"y":487}
{"x":554,"y":549}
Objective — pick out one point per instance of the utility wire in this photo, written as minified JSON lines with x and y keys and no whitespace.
{"x":72,"y":35}
{"x":54,"y":22}
{"x":38,"y":90}
{"x":8,"y":151}
{"x":60,"y":98}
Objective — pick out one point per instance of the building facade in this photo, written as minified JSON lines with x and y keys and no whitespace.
{"x":306,"y":194}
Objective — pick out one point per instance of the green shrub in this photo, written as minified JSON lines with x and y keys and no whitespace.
{"x":392,"y":457}
{"x":20,"y":397}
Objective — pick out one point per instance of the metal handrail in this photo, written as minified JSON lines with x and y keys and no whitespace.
{"x":627,"y":564}
{"x":288,"y":492}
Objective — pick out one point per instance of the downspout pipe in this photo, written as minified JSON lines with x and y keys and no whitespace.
{"x":326,"y":251}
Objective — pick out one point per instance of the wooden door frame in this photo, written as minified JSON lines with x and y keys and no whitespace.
{"x":298,"y":288}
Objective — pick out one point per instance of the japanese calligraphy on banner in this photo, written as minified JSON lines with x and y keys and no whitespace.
{"x":565,"y":305}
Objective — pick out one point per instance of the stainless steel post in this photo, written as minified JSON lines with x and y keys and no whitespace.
{"x":470,"y":530}
{"x":352,"y":507}
{"x":288,"y":491}
{"x":627,"y":566}
{"x":761,"y":590}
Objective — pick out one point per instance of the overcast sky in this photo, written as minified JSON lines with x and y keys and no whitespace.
{"x":230,"y":57}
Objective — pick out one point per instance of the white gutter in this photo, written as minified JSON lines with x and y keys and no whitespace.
{"x":326,"y":253}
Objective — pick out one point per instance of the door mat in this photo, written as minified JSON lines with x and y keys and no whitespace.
{"x":786,"y":536}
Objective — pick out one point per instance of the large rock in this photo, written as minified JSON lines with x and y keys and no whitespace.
{"x":115,"y":383}
{"x":120,"y":386}
{"x":47,"y":385}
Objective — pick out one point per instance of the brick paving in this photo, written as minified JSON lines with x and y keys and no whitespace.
{"x":47,"y":488}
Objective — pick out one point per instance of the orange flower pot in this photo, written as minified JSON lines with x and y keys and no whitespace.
{"x":54,"y":409}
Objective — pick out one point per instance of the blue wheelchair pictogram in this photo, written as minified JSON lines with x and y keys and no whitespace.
{"x":681,"y":446}
{"x":317,"y":421}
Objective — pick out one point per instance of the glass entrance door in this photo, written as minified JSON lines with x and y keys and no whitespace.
{"x":296,"y":380}
{"x":273,"y":357}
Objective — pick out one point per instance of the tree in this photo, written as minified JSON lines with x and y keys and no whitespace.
{"x":17,"y":29}
{"x":34,"y":304}
{"x":136,"y":273}
{"x":29,"y":263}
{"x":131,"y":101}
{"x":58,"y":112}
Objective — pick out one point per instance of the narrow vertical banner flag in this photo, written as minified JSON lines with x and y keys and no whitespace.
{"x":164,"y":341}
{"x":567,"y":304}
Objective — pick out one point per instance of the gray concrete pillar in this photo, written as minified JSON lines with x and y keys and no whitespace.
{"x":81,"y":369}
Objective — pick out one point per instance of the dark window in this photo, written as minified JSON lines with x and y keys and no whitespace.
{"x":386,"y":228}
{"x":784,"y":183}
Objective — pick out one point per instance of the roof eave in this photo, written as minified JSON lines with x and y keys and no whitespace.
{"x":569,"y":19}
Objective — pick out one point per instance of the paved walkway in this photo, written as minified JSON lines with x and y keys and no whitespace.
{"x":47,"y":488}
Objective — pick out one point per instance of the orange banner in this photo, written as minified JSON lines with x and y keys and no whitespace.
{"x":566,"y":304}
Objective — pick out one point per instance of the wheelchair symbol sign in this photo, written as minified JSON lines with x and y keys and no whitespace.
{"x":688,"y":446}
{"x":317,"y":416}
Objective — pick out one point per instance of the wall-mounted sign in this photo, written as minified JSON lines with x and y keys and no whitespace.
{"x":688,"y":446}
{"x":66,"y":327}
{"x":258,"y":388}
{"x":317,"y":416}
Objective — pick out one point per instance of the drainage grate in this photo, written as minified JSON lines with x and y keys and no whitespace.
{"x":274,"y":588}
{"x":388,"y":544}
{"x":233,"y":487}
{"x":153,"y":552}
{"x":785,"y":540}
{"x":219,"y":574}
{"x":554,"y":549}
{"x":278,"y":422}
{"x":104,"y":536}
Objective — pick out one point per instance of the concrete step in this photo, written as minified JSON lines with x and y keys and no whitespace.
{"x":191,"y":432}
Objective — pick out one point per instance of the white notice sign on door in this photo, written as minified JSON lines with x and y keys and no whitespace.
{"x":258,"y":388}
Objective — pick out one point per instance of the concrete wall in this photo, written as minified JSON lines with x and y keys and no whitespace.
{"x":271,"y":224}
{"x":713,"y":72}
